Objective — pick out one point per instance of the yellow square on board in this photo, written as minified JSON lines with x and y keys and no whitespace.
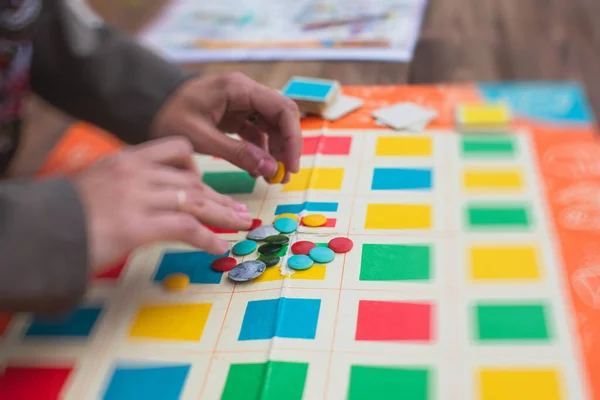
{"x":520,"y":384}
{"x":404,"y":146}
{"x":484,"y":114}
{"x":314,"y":273}
{"x":271,"y":274}
{"x":183,"y":322}
{"x":493,"y":180}
{"x":507,"y":262}
{"x":398,"y":216}
{"x":315,"y":178}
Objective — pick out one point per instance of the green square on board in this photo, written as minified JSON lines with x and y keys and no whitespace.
{"x":272,"y":380}
{"x":383,"y":383}
{"x":283,"y":251}
{"x":498,"y":216}
{"x":511,"y":322}
{"x":395,"y":262}
{"x":232,"y":182}
{"x":492,"y":147}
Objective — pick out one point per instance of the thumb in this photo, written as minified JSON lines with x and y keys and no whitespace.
{"x":241,"y":153}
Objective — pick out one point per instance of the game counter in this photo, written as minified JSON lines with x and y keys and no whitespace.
{"x":475,"y":271}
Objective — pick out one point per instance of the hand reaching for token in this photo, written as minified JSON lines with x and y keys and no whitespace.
{"x":149,"y":193}
{"x":206,"y":107}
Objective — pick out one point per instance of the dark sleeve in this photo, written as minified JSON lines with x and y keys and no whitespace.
{"x":43,"y":245}
{"x":98,"y":74}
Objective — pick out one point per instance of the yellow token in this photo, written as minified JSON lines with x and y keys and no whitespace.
{"x":314,"y":220}
{"x":279,"y":174}
{"x":176,"y":281}
{"x":286,"y":215}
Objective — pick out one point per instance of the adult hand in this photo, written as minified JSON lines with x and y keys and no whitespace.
{"x":204,"y":108}
{"x":135,"y":198}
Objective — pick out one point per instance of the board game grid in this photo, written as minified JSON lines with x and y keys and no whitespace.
{"x":476,"y":308}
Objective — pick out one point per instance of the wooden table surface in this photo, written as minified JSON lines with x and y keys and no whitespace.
{"x":461,"y":40}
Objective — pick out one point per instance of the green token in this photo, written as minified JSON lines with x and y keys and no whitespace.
{"x":277,"y":239}
{"x":270,"y":260}
{"x":269,"y":248}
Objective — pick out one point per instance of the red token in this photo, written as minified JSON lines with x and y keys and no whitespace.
{"x":341,"y":245}
{"x":303,"y":247}
{"x":224,"y":264}
{"x":255,"y":224}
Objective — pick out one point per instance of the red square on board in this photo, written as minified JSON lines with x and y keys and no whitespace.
{"x":4,"y":322}
{"x":113,"y":272}
{"x":393,"y":321}
{"x":327,"y":145}
{"x":27,"y":383}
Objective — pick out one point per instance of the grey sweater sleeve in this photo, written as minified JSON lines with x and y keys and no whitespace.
{"x":43,"y":243}
{"x":97,"y":74}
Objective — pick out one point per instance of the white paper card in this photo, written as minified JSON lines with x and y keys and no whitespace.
{"x":404,"y":115}
{"x":342,"y":106}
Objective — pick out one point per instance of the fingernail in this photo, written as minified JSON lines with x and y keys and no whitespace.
{"x":241,"y":207}
{"x":245,"y":215}
{"x":267,"y":167}
{"x":223,"y":245}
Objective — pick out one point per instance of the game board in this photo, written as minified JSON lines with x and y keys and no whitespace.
{"x":191,"y":31}
{"x":475,"y":273}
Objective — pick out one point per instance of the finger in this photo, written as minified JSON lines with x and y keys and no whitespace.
{"x":240,"y":153}
{"x":170,"y":178}
{"x":204,"y":209}
{"x":185,"y":228}
{"x":254,"y":135}
{"x":175,"y":151}
{"x":279,"y":116}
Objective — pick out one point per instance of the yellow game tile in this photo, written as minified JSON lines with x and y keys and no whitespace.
{"x":315,"y":178}
{"x":398,"y":216}
{"x":519,"y":384}
{"x":477,"y":179}
{"x":314,"y":273}
{"x":404,"y":146}
{"x":484,"y":114}
{"x":183,"y":322}
{"x":504,"y":262}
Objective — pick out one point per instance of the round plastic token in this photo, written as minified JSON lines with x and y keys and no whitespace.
{"x":247,"y":271}
{"x":244,"y":247}
{"x":176,"y":281}
{"x":269,"y":248}
{"x":287,"y":215}
{"x":303,"y":247}
{"x":279,"y":174}
{"x":314,"y":220}
{"x":286,"y":225}
{"x":224,"y":264}
{"x":270,"y":260}
{"x":255,"y":224}
{"x":322,"y":255}
{"x":277,"y":239}
{"x":341,"y":245}
{"x":300,"y":261}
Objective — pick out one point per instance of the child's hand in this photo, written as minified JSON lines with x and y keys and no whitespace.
{"x":205,"y":107}
{"x":151,"y":193}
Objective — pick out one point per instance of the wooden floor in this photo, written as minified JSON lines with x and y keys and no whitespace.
{"x":461,"y":40}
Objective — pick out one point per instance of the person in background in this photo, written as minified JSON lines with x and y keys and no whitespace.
{"x":55,"y":232}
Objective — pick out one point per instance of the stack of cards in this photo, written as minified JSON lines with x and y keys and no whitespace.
{"x":484,"y":117}
{"x":405,"y":116}
{"x":320,"y":97}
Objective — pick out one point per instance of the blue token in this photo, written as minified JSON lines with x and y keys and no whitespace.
{"x":300,"y":261}
{"x":322,"y":255}
{"x":286,"y":225}
{"x":244,"y":247}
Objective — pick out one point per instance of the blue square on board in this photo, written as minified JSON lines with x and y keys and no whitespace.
{"x":401,"y":179}
{"x":195,"y":264}
{"x":307,"y":89}
{"x":283,"y":317}
{"x":78,"y":323}
{"x":148,"y":383}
